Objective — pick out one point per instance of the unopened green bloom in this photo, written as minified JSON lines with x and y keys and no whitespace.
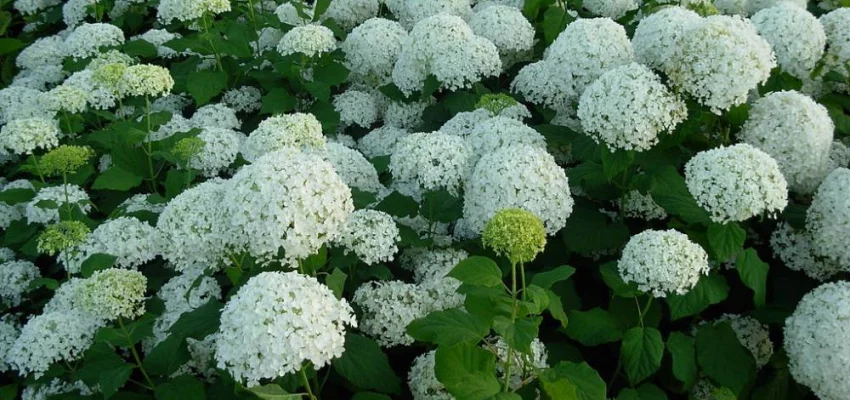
{"x":145,"y":80}
{"x":516,"y":234}
{"x":109,"y":75}
{"x":703,"y":8}
{"x":65,"y":159}
{"x":495,"y":103}
{"x":61,"y":236}
{"x":187,"y":148}
{"x":113,"y":293}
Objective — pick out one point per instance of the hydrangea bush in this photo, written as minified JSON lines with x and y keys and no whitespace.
{"x":425,"y":199}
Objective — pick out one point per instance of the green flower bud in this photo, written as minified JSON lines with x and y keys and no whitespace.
{"x":516,"y":234}
{"x":65,"y":159}
{"x":109,"y":75}
{"x":187,"y":148}
{"x":61,"y":236}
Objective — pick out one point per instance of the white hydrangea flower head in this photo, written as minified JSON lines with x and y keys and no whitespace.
{"x":796,"y":131}
{"x":6,"y":254}
{"x":405,"y":115}
{"x":11,"y":213}
{"x":731,"y":7}
{"x":98,"y":96}
{"x":138,"y":203}
{"x":145,"y":80}
{"x":524,"y":365}
{"x":737,"y":182}
{"x":215,"y":116}
{"x":430,"y":265}
{"x":367,"y":61}
{"x":638,"y":205}
{"x":41,"y":78}
{"x":381,"y":141}
{"x":719,"y":61}
{"x":193,"y":226}
{"x":356,"y":108}
{"x":221,"y":147}
{"x":133,"y":242}
{"x":15,"y":279}
{"x":506,"y":28}
{"x":754,"y":6}
{"x":245,"y":99}
{"x":288,"y":14}
{"x":795,"y":35}
{"x":296,"y":130}
{"x":446,"y":47}
{"x":839,"y":156}
{"x":17,"y":102}
{"x":55,"y":387}
{"x":387,"y":308}
{"x":410,"y":12}
{"x":176,"y":124}
{"x":441,"y":294}
{"x":67,"y":98}
{"x":351,"y":13}
{"x":309,"y":40}
{"x":30,"y":7}
{"x":614,"y":9}
{"x":828,"y":218}
{"x":51,"y":337}
{"x":370,"y":234}
{"x":816,"y":340}
{"x":9,"y":331}
{"x":794,"y":248}
{"x":276,"y":322}
{"x":498,"y":132}
{"x":112,"y":294}
{"x":544,"y":83}
{"x":524,"y":177}
{"x":432,"y":161}
{"x":87,"y":39}
{"x":49,"y":50}
{"x":628,"y":107}
{"x":189,"y":10}
{"x":657,"y":34}
{"x":463,"y":123}
{"x":286,"y":199}
{"x":663,"y":262}
{"x":158,"y":38}
{"x":836,"y":24}
{"x":423,"y":382}
{"x":23,"y":136}
{"x":344,"y":140}
{"x":354,"y":169}
{"x":268,"y":38}
{"x":76,"y":197}
{"x":75,"y":12}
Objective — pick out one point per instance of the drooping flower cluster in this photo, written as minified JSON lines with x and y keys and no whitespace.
{"x":662,"y":262}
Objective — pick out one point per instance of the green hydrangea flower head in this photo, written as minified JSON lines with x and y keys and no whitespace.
{"x":516,"y":234}
{"x":113,"y":293}
{"x":187,"y":148}
{"x":65,"y":159}
{"x":495,"y":103}
{"x":703,"y":8}
{"x":109,"y":75}
{"x":61,"y":236}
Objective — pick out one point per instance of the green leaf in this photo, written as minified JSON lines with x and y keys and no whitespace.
{"x":556,"y":308}
{"x":642,"y":351}
{"x":184,"y":387}
{"x":616,"y":162}
{"x":670,"y":192}
{"x":113,"y":378}
{"x":594,"y":327}
{"x":646,"y":391}
{"x":568,"y":380}
{"x":167,"y":356}
{"x":467,"y":371}
{"x":722,"y":357}
{"x":177,"y":180}
{"x":273,"y":392}
{"x":16,"y":196}
{"x":50,"y":284}
{"x":320,"y":90}
{"x":477,"y":271}
{"x":204,"y":85}
{"x":200,"y":322}
{"x":683,"y":356}
{"x":441,"y":206}
{"x":753,"y":272}
{"x":612,"y":278}
{"x":336,"y":282}
{"x":278,"y":101}
{"x":555,"y":19}
{"x":518,"y":334}
{"x":116,"y":178}
{"x":366,"y":366}
{"x":726,"y":240}
{"x":140,"y":48}
{"x":333,"y":74}
{"x":9,"y":392}
{"x":449,"y":327}
{"x":9,"y":45}
{"x":587,"y":230}
{"x":548,"y":278}
{"x":320,"y":8}
{"x":709,"y":290}
{"x":398,"y":205}
{"x":96,"y":262}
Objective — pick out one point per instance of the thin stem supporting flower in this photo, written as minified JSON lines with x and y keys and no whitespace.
{"x":135,"y":353}
{"x":37,"y":167}
{"x":210,"y":41}
{"x":307,"y":384}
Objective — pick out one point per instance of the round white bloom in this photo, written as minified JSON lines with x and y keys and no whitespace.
{"x":221,"y":146}
{"x":310,"y":40}
{"x":9,"y":331}
{"x":76,"y":197}
{"x":524,"y":177}
{"x":189,"y":10}
{"x":6,"y":254}
{"x":67,"y":98}
{"x":364,"y":58}
{"x":370,"y":234}
{"x":41,"y":78}
{"x":836,"y":24}
{"x":614,"y":9}
{"x":15,"y":279}
{"x":405,"y":115}
{"x":796,"y":131}
{"x":719,"y":61}
{"x":638,"y":205}
{"x":48,"y":50}
{"x":736,"y":183}
{"x":354,"y":169}
{"x":507,"y":28}
{"x":17,"y":102}
{"x":23,"y":136}
{"x":286,"y":199}
{"x":356,"y":108}
{"x":794,"y":248}
{"x":87,"y":39}
{"x":545,"y":83}
{"x":288,"y":14}
{"x":656,"y":35}
{"x":343,"y":139}
{"x":158,"y":38}
{"x":245,"y":99}
{"x":628,"y":107}
{"x":74,"y":12}
{"x":193,"y":226}
{"x":387,"y":309}
{"x":268,"y":39}
{"x":431,"y":264}
{"x":98,"y":96}
{"x":410,"y":12}
{"x":816,"y":341}
{"x":795,"y":35}
{"x":524,"y":365}
{"x":215,"y":116}
{"x":51,"y":337}
{"x":663,"y":262}
{"x":133,"y":242}
{"x":381,"y":141}
{"x":30,"y":7}
{"x":350,"y":13}
{"x":446,"y":47}
{"x":431,"y":160}
{"x":145,"y":80}
{"x":112,"y":293}
{"x":828,"y":218}
{"x":463,"y":123}
{"x":280,"y":131}
{"x":423,"y":381}
{"x":497,"y":132}
{"x":276,"y":322}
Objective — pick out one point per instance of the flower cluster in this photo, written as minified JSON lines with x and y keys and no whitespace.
{"x":662,"y":262}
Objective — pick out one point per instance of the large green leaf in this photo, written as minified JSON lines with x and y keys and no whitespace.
{"x":726,"y":240}
{"x":671,"y":193}
{"x":366,"y":366}
{"x":518,"y":333}
{"x":683,"y":356}
{"x":641,"y":351}
{"x":709,"y":290}
{"x":398,"y":205}
{"x":441,"y":206}
{"x":167,"y":356}
{"x":723,"y":358}
{"x":184,"y":387}
{"x":588,"y":231}
{"x":548,"y":278}
{"x":593,"y":327}
{"x":477,"y":271}
{"x":568,"y":380}
{"x":646,"y":391}
{"x":204,"y":85}
{"x":753,"y":272}
{"x":116,"y":178}
{"x":449,"y":327}
{"x":467,"y":371}
{"x":272,"y":391}
{"x":200,"y":322}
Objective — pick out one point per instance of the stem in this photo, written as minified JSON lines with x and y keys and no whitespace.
{"x":135,"y":353}
{"x":509,"y":361}
{"x":68,"y":122}
{"x":37,"y":168}
{"x":212,"y":46}
{"x":522,"y":276}
{"x":307,"y":384}
{"x":149,"y":150}
{"x":640,"y":314}
{"x":65,"y":189}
